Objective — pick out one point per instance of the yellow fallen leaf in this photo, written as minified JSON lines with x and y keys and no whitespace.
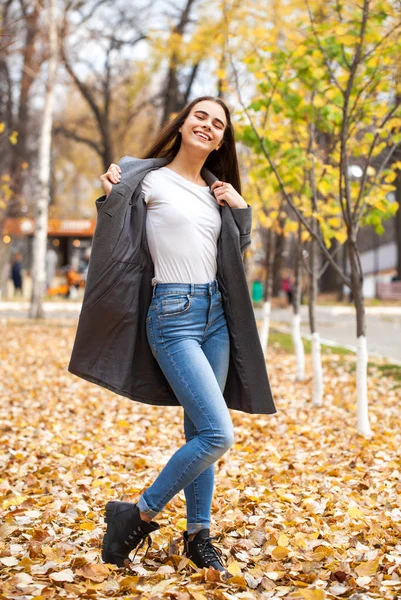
{"x":239,"y":581}
{"x":14,"y":501}
{"x":299,"y":540}
{"x":99,"y":483}
{"x":283,"y":540}
{"x":368,"y":568}
{"x":87,"y":525}
{"x":312,"y":594}
{"x":129,"y":582}
{"x":198,"y":596}
{"x":287,"y":497}
{"x":355,"y":512}
{"x":181,"y":524}
{"x":321,"y":552}
{"x":279,"y":552}
{"x":234,"y":568}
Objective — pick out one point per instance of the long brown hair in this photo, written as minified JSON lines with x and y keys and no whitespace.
{"x":223,"y":163}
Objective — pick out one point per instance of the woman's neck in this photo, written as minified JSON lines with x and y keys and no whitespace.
{"x":188,"y":166}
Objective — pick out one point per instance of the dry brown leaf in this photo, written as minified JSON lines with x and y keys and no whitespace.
{"x":94,"y":572}
{"x":299,"y":498}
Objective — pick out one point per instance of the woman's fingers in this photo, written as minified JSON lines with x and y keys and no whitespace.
{"x":114,"y":173}
{"x":106,"y":183}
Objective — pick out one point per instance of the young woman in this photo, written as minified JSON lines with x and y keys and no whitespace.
{"x":198,"y":320}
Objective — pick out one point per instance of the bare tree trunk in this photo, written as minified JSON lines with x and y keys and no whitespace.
{"x":278,"y":261}
{"x":317,"y":391}
{"x":296,"y":318}
{"x":362,"y":352}
{"x":268,"y":292}
{"x":397,"y":223}
{"x":174,"y":99}
{"x":40,"y":237}
{"x":29,"y":73}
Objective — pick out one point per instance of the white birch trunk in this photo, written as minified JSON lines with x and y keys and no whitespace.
{"x":40,"y":237}
{"x":264,"y":331}
{"x":362,"y":387}
{"x":298,"y":347}
{"x":317,"y":391}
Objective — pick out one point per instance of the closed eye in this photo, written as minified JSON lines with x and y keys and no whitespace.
{"x":204,"y":119}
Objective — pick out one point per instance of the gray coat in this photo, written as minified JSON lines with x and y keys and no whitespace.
{"x":111,"y":347}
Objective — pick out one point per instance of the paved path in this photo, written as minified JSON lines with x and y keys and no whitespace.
{"x":52,"y":310}
{"x":336,"y":324}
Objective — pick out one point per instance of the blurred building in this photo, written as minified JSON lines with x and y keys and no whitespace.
{"x":70,"y":238}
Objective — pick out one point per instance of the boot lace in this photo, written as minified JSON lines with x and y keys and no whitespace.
{"x":210,"y":552}
{"x":138,"y":536}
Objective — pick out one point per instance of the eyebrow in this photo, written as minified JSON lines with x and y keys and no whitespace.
{"x":207,"y":114}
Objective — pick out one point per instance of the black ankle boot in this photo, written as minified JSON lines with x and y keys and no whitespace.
{"x":125,"y":530}
{"x":202,"y":552}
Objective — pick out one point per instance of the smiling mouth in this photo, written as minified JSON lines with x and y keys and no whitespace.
{"x":200,"y":136}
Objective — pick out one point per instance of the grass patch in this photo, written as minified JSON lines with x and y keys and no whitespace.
{"x":284,"y":341}
{"x":390,"y":370}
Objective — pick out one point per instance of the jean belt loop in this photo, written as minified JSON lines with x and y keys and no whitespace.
{"x":192,"y":289}
{"x":154,"y":290}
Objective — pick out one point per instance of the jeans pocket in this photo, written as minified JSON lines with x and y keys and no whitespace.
{"x":173,"y":305}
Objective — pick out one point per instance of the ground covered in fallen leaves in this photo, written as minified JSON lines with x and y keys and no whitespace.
{"x":304,"y":507}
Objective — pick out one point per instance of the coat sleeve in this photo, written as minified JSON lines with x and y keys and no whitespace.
{"x":109,"y":202}
{"x":243,"y":220}
{"x":99,"y":202}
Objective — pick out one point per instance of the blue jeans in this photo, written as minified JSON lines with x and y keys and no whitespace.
{"x":188,"y":335}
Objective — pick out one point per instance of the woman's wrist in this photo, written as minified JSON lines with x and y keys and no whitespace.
{"x":242,"y":204}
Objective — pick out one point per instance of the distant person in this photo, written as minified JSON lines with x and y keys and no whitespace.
{"x":16,"y":273}
{"x":85,"y":263}
{"x":51,"y":264}
{"x":286,"y":286}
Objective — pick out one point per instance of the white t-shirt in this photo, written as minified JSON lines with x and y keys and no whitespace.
{"x":182,"y":226}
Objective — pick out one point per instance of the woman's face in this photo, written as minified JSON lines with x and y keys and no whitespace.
{"x":204,"y":127}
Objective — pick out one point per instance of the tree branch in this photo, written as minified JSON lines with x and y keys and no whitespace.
{"x":358,"y":208}
{"x":290,"y":202}
{"x":96,"y":146}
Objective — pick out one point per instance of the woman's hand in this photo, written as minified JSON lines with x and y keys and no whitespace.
{"x":225,"y":192}
{"x":113,"y":175}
